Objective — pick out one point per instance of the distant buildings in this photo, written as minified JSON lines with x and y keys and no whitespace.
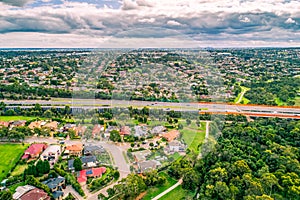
{"x":97,"y":129}
{"x":52,"y":125}
{"x":140,"y":131}
{"x":158,"y":130}
{"x":171,"y":135}
{"x":175,"y":146}
{"x":125,"y":130}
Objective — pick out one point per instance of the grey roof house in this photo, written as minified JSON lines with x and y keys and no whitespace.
{"x":87,"y":162}
{"x":56,"y":185}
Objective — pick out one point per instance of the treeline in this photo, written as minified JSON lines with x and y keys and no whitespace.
{"x":266,"y":93}
{"x":24,"y":91}
{"x":36,"y":111}
{"x":257,"y":160}
{"x":41,"y":168}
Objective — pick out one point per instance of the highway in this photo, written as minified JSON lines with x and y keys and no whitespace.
{"x":215,"y":108}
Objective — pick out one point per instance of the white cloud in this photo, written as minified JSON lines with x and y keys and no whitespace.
{"x":196,"y":18}
{"x":147,"y":20}
{"x":245,"y":19}
{"x":290,"y":21}
{"x":173,"y":23}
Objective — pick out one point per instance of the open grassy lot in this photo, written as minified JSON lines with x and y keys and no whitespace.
{"x":9,"y":118}
{"x":193,"y":137}
{"x":240,"y":96}
{"x":177,"y":193}
{"x":19,"y":169}
{"x":9,"y":154}
{"x":154,"y":191}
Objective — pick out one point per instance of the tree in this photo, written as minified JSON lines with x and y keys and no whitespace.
{"x":77,"y":164}
{"x":188,"y":122}
{"x":48,"y":114}
{"x":130,"y":187}
{"x":69,"y":197}
{"x":10,"y":112}
{"x":268,"y":180}
{"x":7,"y":195}
{"x":115,"y":136}
{"x":180,"y":126}
{"x":190,"y":179}
{"x":40,"y":167}
{"x":222,"y":190}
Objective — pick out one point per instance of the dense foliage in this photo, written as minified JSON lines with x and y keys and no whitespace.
{"x":266,"y":92}
{"x":134,"y":184}
{"x":257,"y":160}
{"x":41,"y":167}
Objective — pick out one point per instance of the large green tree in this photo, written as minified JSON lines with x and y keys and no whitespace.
{"x":77,"y":164}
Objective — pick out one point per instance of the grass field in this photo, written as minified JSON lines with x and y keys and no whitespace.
{"x":177,"y":193}
{"x":9,"y":154}
{"x":154,"y":191}
{"x":9,"y":118}
{"x":240,"y":97}
{"x":297,"y":101}
{"x":13,"y":188}
{"x":193,"y":137}
{"x":19,"y":170}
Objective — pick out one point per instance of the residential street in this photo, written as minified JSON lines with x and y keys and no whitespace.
{"x":115,"y":151}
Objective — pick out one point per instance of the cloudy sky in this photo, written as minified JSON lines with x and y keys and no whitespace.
{"x":149,"y":23}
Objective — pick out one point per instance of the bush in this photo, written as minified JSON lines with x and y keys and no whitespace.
{"x":70,"y":179}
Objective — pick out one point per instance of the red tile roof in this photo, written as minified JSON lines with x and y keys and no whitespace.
{"x":94,"y":172}
{"x":34,"y":149}
{"x":98,"y":171}
{"x":35,"y":194}
{"x":171,"y":135}
{"x":96,"y":130}
{"x":6,"y":124}
{"x":75,"y":147}
{"x":82,"y":177}
{"x":125,"y":130}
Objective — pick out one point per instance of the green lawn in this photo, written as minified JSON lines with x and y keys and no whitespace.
{"x":9,"y":154}
{"x":193,"y":137}
{"x":245,"y":100}
{"x":9,"y":118}
{"x":297,"y":101}
{"x":19,"y":170}
{"x":13,"y":188}
{"x":154,"y":191}
{"x":240,"y":98}
{"x":279,"y":102}
{"x":177,"y":193}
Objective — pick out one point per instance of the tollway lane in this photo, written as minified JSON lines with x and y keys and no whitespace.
{"x":209,"y":107}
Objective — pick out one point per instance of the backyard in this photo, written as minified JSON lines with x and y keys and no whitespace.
{"x":154,"y":191}
{"x":177,"y":193}
{"x":10,"y":154}
{"x":193,"y":136}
